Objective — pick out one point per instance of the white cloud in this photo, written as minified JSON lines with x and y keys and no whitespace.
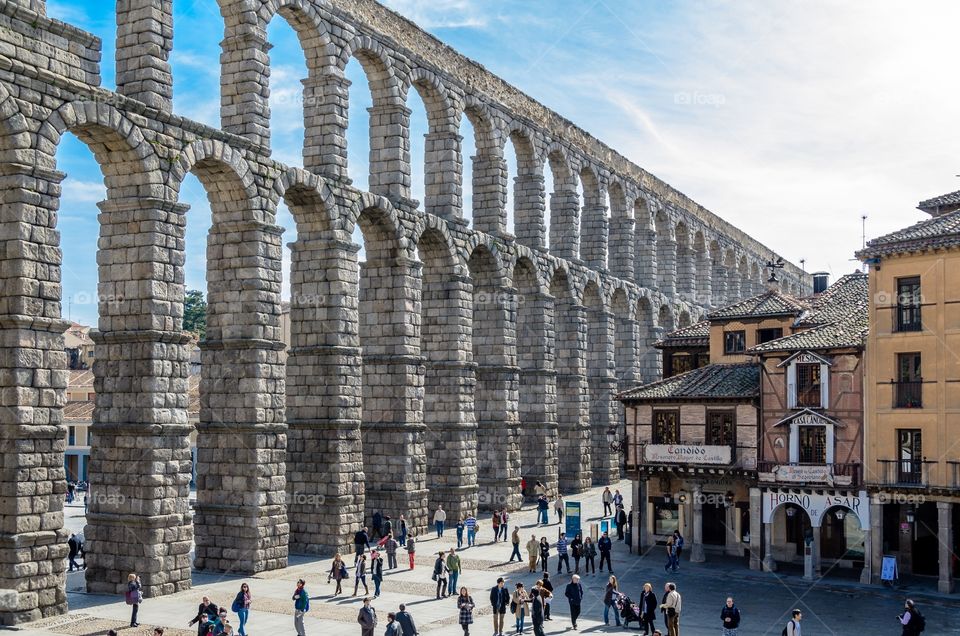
{"x":442,"y":14}
{"x":76,"y":192}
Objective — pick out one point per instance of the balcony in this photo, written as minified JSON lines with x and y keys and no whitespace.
{"x":847,"y":475}
{"x":908,"y":318}
{"x":954,"y":473}
{"x":908,"y":394}
{"x":908,"y":473}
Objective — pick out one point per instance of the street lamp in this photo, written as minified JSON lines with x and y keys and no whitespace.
{"x":910,"y":515}
{"x":840,"y":514}
{"x":682,"y":496}
{"x":791,"y":511}
{"x":616,"y":445}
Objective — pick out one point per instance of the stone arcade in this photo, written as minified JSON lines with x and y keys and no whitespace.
{"x":427,"y":359}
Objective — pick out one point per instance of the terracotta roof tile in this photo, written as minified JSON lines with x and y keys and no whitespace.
{"x":735,"y":381}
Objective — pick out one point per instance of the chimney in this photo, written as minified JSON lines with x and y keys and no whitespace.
{"x":821,"y":280}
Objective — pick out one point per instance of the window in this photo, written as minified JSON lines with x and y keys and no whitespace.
{"x":908,"y":387}
{"x":721,"y":428}
{"x":680,"y":363}
{"x":808,"y":385}
{"x":766,"y":335}
{"x":72,"y":436}
{"x":813,"y":444}
{"x":909,"y":455}
{"x":734,"y":341}
{"x":666,"y":516}
{"x":908,"y":304}
{"x":666,"y":427}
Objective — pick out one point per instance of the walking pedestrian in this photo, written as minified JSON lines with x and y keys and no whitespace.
{"x":405,"y":619}
{"x":589,"y":556}
{"x":558,"y":508}
{"x":606,"y":546}
{"x":678,"y":541}
{"x":621,"y":522}
{"x":360,"y":575}
{"x":533,"y":551}
{"x":730,"y":618}
{"x":82,"y":544}
{"x":393,"y":627}
{"x":377,"y":525}
{"x":205,"y":612}
{"x":471,"y":525}
{"x":544,"y":552}
{"x":793,"y":625}
{"x":465,"y":605}
{"x":411,"y":548}
{"x":367,"y":617}
{"x":574,"y":594}
{"x":518,"y":604}
{"x":440,"y":575}
{"x":376,"y":572}
{"x":241,"y":607}
{"x":617,"y":499}
{"x":543,"y":506}
{"x":912,"y":620}
{"x":338,"y":572}
{"x":671,"y":607}
{"x":515,"y":540}
{"x":504,"y":523}
{"x":563,"y":557}
{"x":301,"y":605}
{"x":403,"y":531}
{"x":439,"y":518}
{"x":576,"y":551}
{"x":460,"y":528}
{"x":671,"y":548}
{"x":134,"y":597}
{"x":74,"y":545}
{"x":387,"y":526}
{"x":537,"y":606}
{"x":648,"y":609}
{"x":390,"y":546}
{"x":453,"y":565}
{"x":607,"y":498}
{"x":546,"y":594}
{"x":495,"y":521}
{"x":609,"y":598}
{"x":361,"y":543}
{"x":499,"y":601}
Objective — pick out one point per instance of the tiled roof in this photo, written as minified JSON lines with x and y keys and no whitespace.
{"x":770,"y":303}
{"x":697,"y":334}
{"x":732,"y":381}
{"x":82,"y":410}
{"x":80,"y":377}
{"x":940,"y":232}
{"x":838,"y":318}
{"x":943,"y":201}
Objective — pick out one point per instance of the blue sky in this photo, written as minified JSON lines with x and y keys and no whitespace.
{"x":788,"y":119}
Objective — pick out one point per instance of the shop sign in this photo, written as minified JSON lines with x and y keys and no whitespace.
{"x":686,"y":454}
{"x":817,"y":504}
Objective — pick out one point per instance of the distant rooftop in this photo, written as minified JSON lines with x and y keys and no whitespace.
{"x":940,"y":232}
{"x":731,"y":381}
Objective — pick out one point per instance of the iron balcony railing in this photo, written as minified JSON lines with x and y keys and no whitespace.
{"x":908,"y":318}
{"x":905,"y":472}
{"x":908,"y":394}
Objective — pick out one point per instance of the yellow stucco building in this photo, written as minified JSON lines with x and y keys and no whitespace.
{"x":912,"y":443}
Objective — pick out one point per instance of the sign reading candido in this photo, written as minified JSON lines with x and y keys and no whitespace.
{"x":686,"y":454}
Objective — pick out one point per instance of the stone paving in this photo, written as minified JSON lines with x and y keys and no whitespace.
{"x":831,"y":606}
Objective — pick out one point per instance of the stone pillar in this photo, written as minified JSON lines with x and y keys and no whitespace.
{"x":945,"y":546}
{"x":815,"y":549}
{"x":876,"y":540}
{"x":573,"y":407}
{"x":529,"y":204}
{"x":393,"y":375}
{"x":449,"y":385}
{"x":538,"y":392}
{"x":497,"y":399}
{"x":144,"y":42}
{"x":33,"y":541}
{"x":626,"y":353}
{"x":390,"y":151}
{"x":241,"y":516}
{"x":769,"y":565}
{"x":756,"y":532}
{"x":325,"y":471}
{"x":719,"y":285}
{"x":686,"y":272}
{"x":733,"y":531}
{"x":622,"y":243}
{"x":138,"y":517}
{"x":667,"y":266}
{"x":326,"y":98}
{"x":244,"y":85}
{"x":604,"y":413}
{"x":746,"y":287}
{"x":565,"y":221}
{"x":866,"y":574}
{"x":650,"y":360}
{"x":696,"y":548}
{"x":645,"y":256}
{"x":640,"y":506}
{"x":490,"y":194}
{"x":733,"y":286}
{"x":443,"y":164}
{"x":704,"y":282}
{"x":593,"y":236}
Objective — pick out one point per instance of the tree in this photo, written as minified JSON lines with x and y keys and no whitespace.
{"x":195,"y":313}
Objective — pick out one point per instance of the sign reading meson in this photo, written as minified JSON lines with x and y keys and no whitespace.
{"x":686,"y":454}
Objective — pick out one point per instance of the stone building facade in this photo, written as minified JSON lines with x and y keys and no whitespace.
{"x":426,"y":360}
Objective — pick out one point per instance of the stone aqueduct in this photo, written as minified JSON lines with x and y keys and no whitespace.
{"x":452,"y":362}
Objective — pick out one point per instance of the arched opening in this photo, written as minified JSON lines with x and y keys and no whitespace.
{"x":645,"y":247}
{"x":746,"y":284}
{"x":448,"y":404}
{"x":791,"y":530}
{"x":434,"y":148}
{"x":684,"y":320}
{"x":564,"y":208}
{"x":650,"y":360}
{"x":718,"y":282}
{"x":703,"y":271}
{"x":377,"y":156}
{"x":841,"y":537}
{"x":528,"y":192}
{"x":666,"y":255}
{"x":686,"y":272}
{"x":495,"y":397}
{"x":419,"y":130}
{"x":593,"y":221}
{"x":488,"y":174}
{"x":289,"y":80}
{"x":538,"y":387}
{"x":621,"y":233}
{"x":602,"y":384}
{"x":468,"y":154}
{"x":625,"y":343}
{"x":733,"y":282}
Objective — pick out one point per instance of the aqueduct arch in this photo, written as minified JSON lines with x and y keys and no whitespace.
{"x":406,"y":376}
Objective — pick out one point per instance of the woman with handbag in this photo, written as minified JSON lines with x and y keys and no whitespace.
{"x":241,"y":607}
{"x":518,"y":605}
{"x":360,"y":576}
{"x":590,"y":556}
{"x":134,"y":597}
{"x":465,"y":605}
{"x":440,"y":571}
{"x":338,"y":572}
